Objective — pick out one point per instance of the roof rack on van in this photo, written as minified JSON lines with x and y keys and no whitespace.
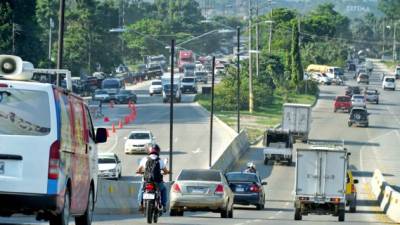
{"x":14,"y":68}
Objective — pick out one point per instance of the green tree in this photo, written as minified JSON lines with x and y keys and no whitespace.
{"x":297,"y":67}
{"x":5,"y":27}
{"x":390,"y":8}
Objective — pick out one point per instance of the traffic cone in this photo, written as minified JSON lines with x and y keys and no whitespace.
{"x":120,"y":124}
{"x":106,"y":119}
{"x":113,"y":128}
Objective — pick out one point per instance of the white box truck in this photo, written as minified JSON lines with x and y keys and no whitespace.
{"x":320,"y":185}
{"x":297,"y":120}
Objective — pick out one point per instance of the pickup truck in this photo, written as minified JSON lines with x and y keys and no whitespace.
{"x":320,"y":185}
{"x":278,"y":146}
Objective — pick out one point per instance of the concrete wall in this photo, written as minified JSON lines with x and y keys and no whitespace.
{"x":388,"y":198}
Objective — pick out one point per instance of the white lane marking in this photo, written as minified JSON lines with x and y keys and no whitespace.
{"x":271,"y":217}
{"x":114,"y":145}
{"x":279,"y":212}
{"x":176,"y":140}
{"x":197,"y":151}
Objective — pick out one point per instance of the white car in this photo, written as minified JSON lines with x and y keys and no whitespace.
{"x":358,"y":101}
{"x":139,"y":141}
{"x":109,"y":166}
{"x":155,"y":87}
{"x":389,"y":82}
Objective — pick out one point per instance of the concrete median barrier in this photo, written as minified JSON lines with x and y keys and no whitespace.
{"x":235,"y":150}
{"x":387,"y":197}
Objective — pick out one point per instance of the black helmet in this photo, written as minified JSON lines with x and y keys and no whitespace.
{"x":155,"y":149}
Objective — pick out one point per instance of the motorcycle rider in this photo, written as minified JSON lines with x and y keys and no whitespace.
{"x":251,"y":168}
{"x":154,"y":154}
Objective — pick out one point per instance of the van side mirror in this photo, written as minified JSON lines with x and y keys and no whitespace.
{"x":356,"y":181}
{"x":101,"y":135}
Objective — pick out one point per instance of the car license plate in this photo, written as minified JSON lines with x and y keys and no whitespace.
{"x":2,"y":168}
{"x":239,"y":189}
{"x":148,"y":196}
{"x":197,"y":191}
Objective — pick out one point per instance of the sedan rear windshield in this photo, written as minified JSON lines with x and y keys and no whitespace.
{"x":188,"y":80}
{"x":343,"y":99}
{"x":156,"y":83}
{"x":24,"y":112}
{"x":141,"y":136}
{"x":199,"y":175}
{"x":244,"y":177}
{"x":358,"y":97}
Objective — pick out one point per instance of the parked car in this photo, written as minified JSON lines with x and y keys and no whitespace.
{"x":48,"y":153}
{"x":351,"y":90}
{"x":155,"y":87}
{"x":138,"y":141}
{"x":176,"y":92}
{"x":248,"y":188}
{"x":201,"y":76}
{"x":358,"y":101}
{"x":125,"y":96}
{"x":101,"y":95}
{"x":109,"y":166}
{"x":188,"y":85}
{"x":389,"y":82}
{"x":342,"y":103}
{"x":201,"y":190}
{"x":351,"y":191}
{"x":372,"y":95}
{"x":359,"y":117}
{"x":363,"y":79}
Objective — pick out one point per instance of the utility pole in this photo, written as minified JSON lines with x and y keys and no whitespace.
{"x":60,"y":52}
{"x":171,"y":110}
{"x":13,"y":38}
{"x":212,"y":110}
{"x":394,"y":42}
{"x":251,"y":98}
{"x":384,"y":29}
{"x":257,"y":43}
{"x":238,"y":79}
{"x":51,"y":26}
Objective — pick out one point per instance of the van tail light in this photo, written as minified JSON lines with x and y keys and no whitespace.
{"x":54,"y":160}
{"x":255,"y":188}
{"x":176,"y":188}
{"x":150,"y":187}
{"x":3,"y":85}
{"x":304,"y":198}
{"x":219,"y":189}
{"x":335,"y":200}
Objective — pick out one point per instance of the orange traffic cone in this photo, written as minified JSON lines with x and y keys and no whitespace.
{"x":113,"y":128}
{"x":120,"y":124}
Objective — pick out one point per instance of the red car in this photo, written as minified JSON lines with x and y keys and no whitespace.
{"x":342,"y":103}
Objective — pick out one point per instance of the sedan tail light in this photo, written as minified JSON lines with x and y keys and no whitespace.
{"x":176,"y":188}
{"x":219,"y":189}
{"x":255,"y":188}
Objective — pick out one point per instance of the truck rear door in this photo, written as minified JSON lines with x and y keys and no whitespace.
{"x":307,"y":172}
{"x":333,"y":173}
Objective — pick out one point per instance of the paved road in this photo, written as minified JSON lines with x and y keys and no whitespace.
{"x":371,"y":148}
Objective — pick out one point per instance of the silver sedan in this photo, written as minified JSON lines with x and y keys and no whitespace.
{"x":201,"y":190}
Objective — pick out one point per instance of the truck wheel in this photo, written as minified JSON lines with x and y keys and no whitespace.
{"x":341,"y":215}
{"x":349,"y":124}
{"x":353,"y":207}
{"x":335,"y":110}
{"x":297,"y":214}
{"x":265,"y":161}
{"x":290,"y":161}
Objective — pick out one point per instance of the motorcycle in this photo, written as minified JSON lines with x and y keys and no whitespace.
{"x":152,"y":202}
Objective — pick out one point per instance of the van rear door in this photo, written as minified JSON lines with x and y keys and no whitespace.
{"x":27,"y":130}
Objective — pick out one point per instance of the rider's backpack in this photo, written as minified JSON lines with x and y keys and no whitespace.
{"x":152,"y":171}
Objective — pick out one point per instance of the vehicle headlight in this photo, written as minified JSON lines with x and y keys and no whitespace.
{"x":112,"y":170}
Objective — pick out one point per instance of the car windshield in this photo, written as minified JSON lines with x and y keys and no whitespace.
{"x":188,"y":80}
{"x":139,"y":136}
{"x":156,"y":83}
{"x":200,"y":74}
{"x":371,"y":92}
{"x":241,"y":177}
{"x":100,"y":92}
{"x":358,"y":97}
{"x":111,"y":84}
{"x":343,"y":99}
{"x":168,"y":87}
{"x":200,"y":175}
{"x":391,"y":80}
{"x":24,"y":112}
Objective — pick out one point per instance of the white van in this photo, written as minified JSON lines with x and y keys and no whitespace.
{"x":48,"y":155}
{"x":389,"y":82}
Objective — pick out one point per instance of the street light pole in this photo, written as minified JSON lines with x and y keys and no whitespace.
{"x":60,"y":37}
{"x":257,"y":43}
{"x":238,"y":79}
{"x":394,"y":42}
{"x":212,"y":110}
{"x":251,"y":104}
{"x":171,"y":110}
{"x":51,"y":26}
